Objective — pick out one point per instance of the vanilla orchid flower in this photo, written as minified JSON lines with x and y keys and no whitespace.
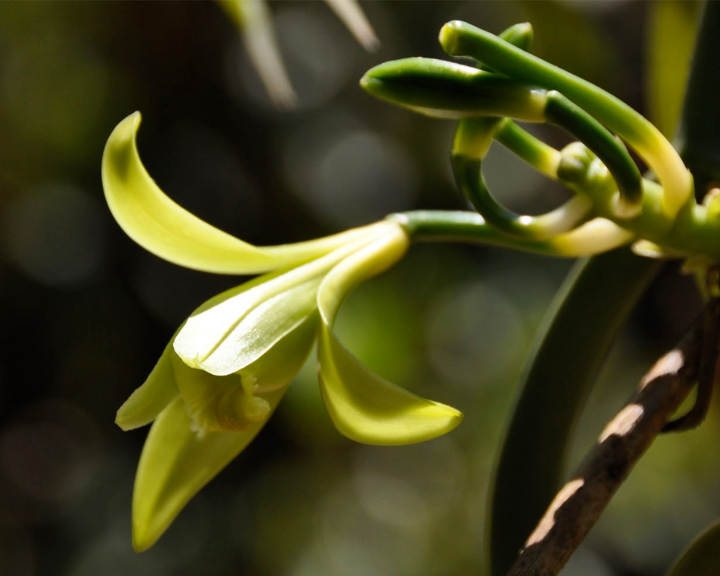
{"x":226,"y":368}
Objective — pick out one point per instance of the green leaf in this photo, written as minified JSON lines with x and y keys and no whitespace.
{"x":177,"y":462}
{"x":568,"y":352}
{"x":162,"y":227}
{"x":697,"y":136}
{"x":673,"y":27}
{"x":702,"y":558}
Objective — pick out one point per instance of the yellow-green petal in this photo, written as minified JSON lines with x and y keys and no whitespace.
{"x":385,"y":249}
{"x":169,"y":231}
{"x":363,"y":406}
{"x":243,"y":324}
{"x":176,"y":463}
{"x":152,"y":397}
{"x":369,"y":409}
{"x":281,"y":363}
{"x":235,"y":333}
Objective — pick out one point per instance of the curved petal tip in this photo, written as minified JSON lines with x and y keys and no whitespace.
{"x":368,"y":409}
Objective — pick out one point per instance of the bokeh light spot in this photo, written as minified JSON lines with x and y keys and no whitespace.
{"x":49,"y":455}
{"x":475,"y":333}
{"x":55,"y":234}
{"x":350,"y":176}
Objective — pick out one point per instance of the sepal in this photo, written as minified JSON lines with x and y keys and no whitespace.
{"x":177,"y":462}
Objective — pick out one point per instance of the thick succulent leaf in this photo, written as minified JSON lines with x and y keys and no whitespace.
{"x":152,"y":397}
{"x":594,"y":237}
{"x":164,"y":228}
{"x":177,"y":462}
{"x":702,"y":558}
{"x":699,"y":125}
{"x":462,"y":39}
{"x":365,"y":407}
{"x":243,"y":324}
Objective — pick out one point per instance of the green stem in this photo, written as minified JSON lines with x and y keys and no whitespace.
{"x":462,"y":39}
{"x":534,"y":151}
{"x":470,"y":180}
{"x":562,"y":112}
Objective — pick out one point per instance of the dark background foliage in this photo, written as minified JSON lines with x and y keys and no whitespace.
{"x":85,"y":313}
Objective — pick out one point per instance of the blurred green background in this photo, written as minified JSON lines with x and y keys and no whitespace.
{"x":85,"y":313}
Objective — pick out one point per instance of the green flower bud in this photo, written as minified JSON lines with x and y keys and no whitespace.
{"x":442,"y":89}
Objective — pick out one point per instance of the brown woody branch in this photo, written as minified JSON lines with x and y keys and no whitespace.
{"x":625,"y":439}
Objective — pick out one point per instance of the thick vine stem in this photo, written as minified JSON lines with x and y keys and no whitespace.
{"x":578,"y":505}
